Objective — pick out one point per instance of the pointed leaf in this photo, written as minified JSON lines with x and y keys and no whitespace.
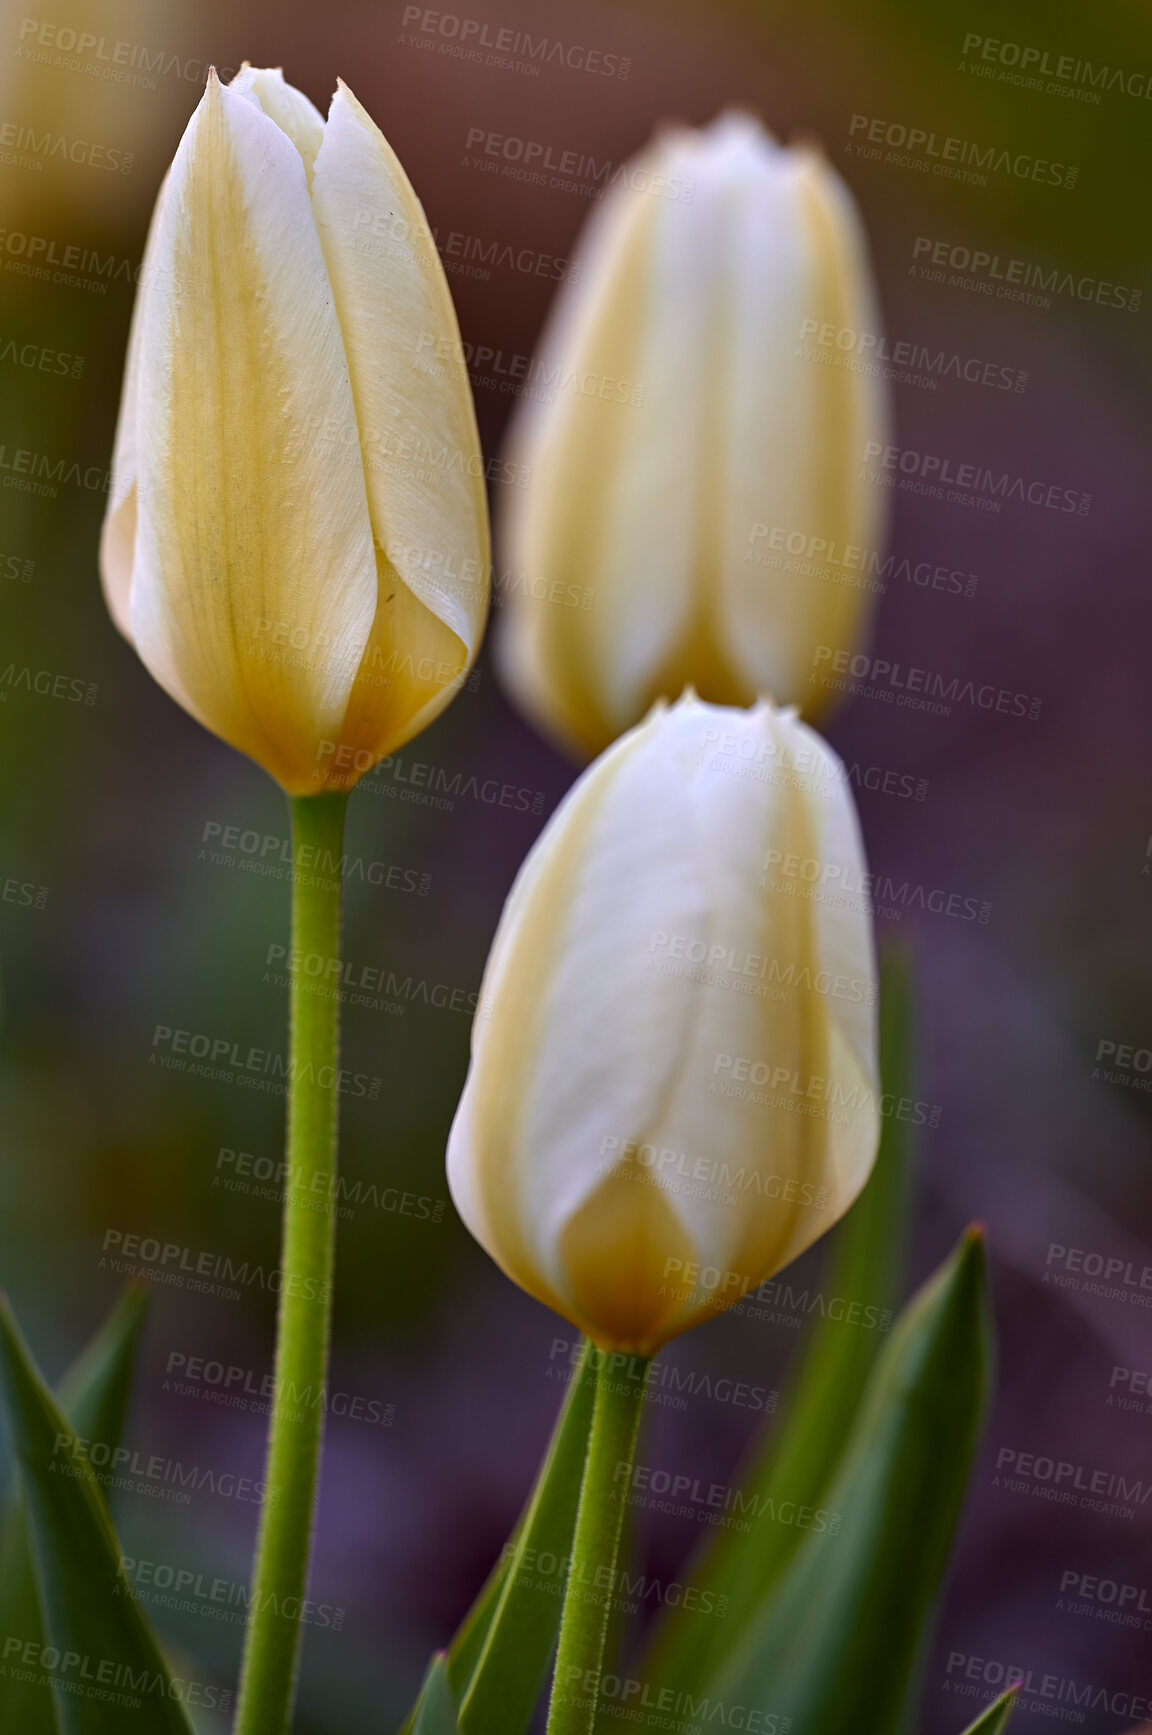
{"x":500,"y":1655}
{"x":94,"y":1394}
{"x":435,"y":1712}
{"x":794,"y":1461}
{"x":96,"y":1390}
{"x":994,"y":1720}
{"x":509,"y":1671}
{"x":863,"y":1597}
{"x":110,"y":1677}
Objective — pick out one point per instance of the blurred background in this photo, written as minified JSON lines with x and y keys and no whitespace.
{"x":144,"y":893}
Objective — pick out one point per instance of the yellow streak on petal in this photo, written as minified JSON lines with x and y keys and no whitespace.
{"x":567,"y":524}
{"x":617,"y":1250}
{"x":412,"y":666}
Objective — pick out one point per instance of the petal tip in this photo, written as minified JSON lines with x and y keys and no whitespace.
{"x":345,"y":97}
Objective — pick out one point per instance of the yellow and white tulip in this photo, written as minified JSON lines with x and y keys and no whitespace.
{"x":691,"y":426}
{"x":287,"y":480}
{"x":673,"y":1087}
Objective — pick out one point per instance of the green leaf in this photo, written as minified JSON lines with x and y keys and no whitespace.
{"x":794,"y":1461}
{"x":994,"y":1720}
{"x":435,"y":1712}
{"x":510,"y":1669}
{"x":109,"y":1675}
{"x":94,"y":1395}
{"x":96,"y":1390}
{"x":839,"y":1640}
{"x":500,"y":1655}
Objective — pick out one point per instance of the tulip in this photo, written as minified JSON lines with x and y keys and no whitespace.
{"x":697,"y":468}
{"x":673,"y":1083}
{"x":287,"y":480}
{"x":291,"y":489}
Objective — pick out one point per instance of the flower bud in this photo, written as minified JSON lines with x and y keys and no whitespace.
{"x":695,"y":432}
{"x":296,"y":542}
{"x":673,"y":1085}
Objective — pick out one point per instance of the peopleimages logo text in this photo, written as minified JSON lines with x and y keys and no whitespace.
{"x":533,"y":159}
{"x":904,"y":359}
{"x":117,"y":62}
{"x":24,"y":146}
{"x":948,"y":154}
{"x":472,"y":34}
{"x":1064,"y":68}
{"x":1062,"y":1689}
{"x":938,"y":472}
{"x":1016,"y":277}
{"x":921,"y":688}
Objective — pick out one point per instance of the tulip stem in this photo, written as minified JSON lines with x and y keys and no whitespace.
{"x":596,"y":1543}
{"x":296,"y":1428}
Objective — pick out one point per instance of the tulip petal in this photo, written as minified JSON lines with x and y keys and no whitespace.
{"x":581,"y":1023}
{"x":118,"y":534}
{"x":795,"y":246}
{"x":611,"y":439}
{"x":255,"y":581}
{"x":265,"y":86}
{"x":791,"y":1004}
{"x":412,"y":666}
{"x":422,"y":462}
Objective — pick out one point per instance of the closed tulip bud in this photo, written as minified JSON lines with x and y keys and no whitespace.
{"x":296,"y":542}
{"x":696,"y":435}
{"x":673,"y":1085}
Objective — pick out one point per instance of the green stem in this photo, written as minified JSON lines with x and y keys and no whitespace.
{"x":295,"y":1434}
{"x":596,"y":1544}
